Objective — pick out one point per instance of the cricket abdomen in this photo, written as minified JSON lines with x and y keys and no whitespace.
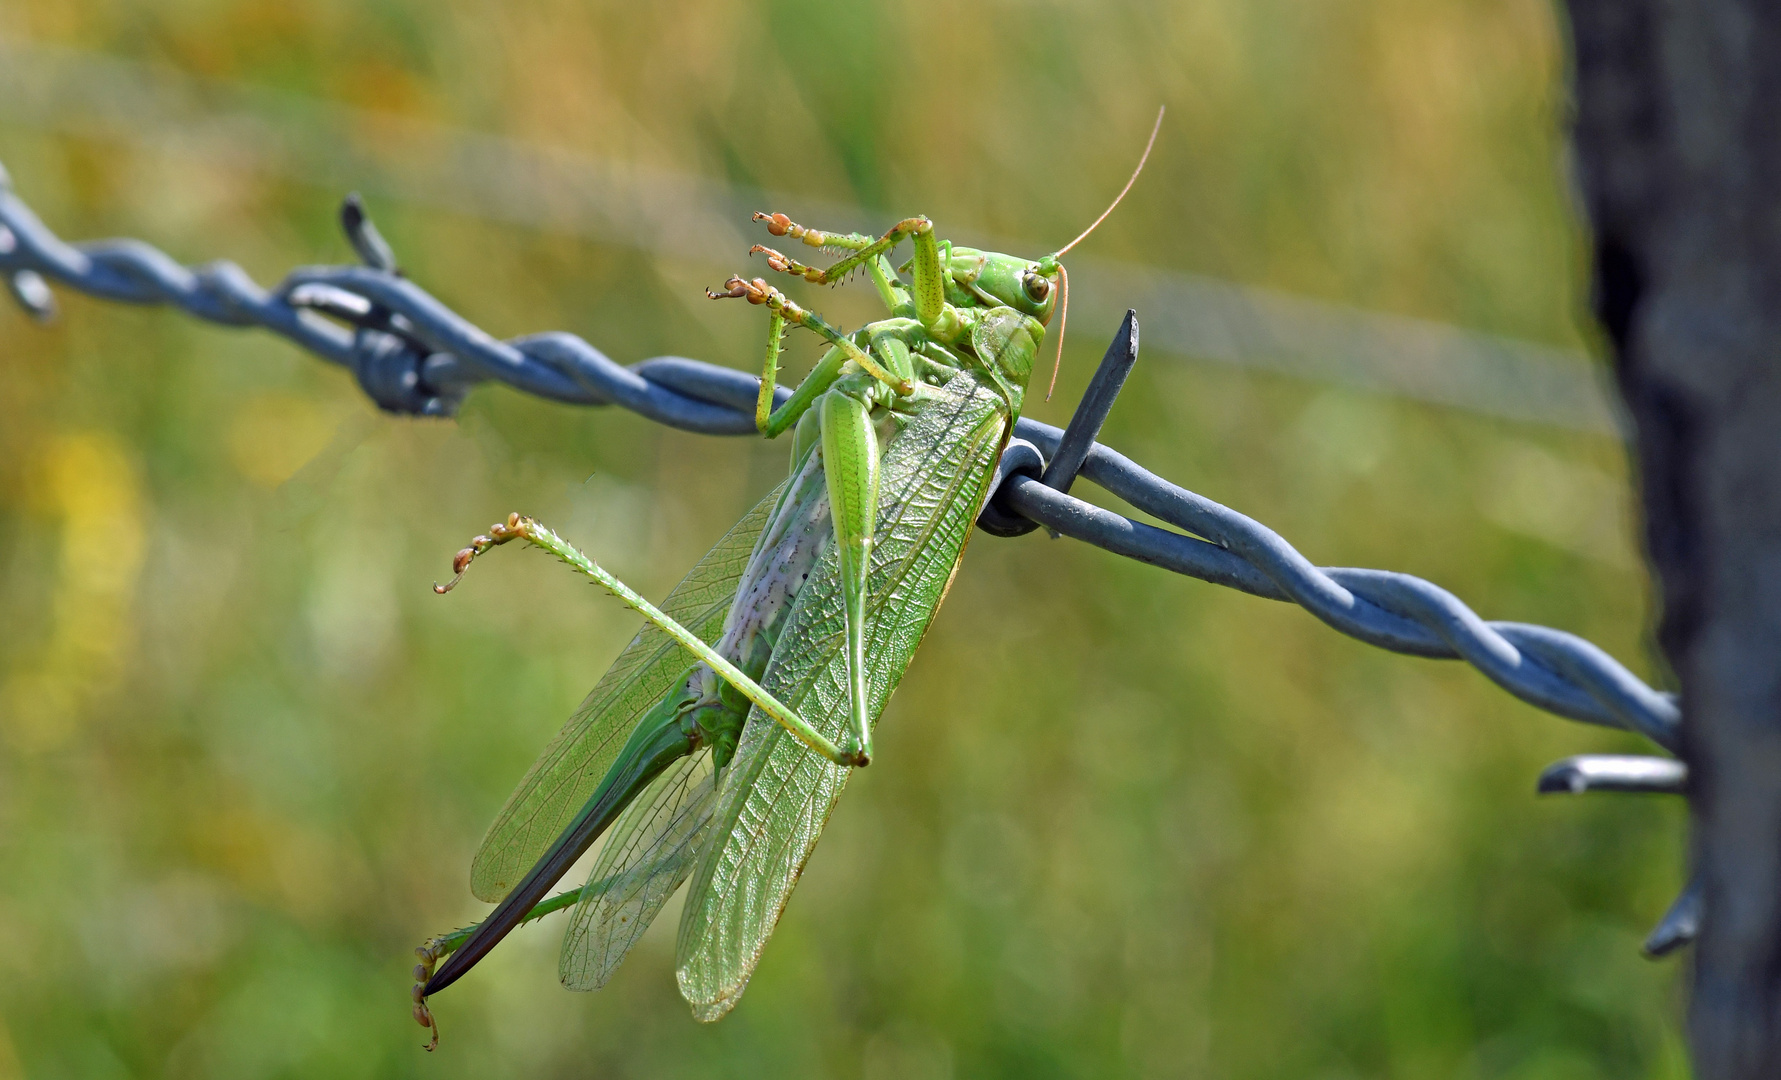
{"x":781,"y":563}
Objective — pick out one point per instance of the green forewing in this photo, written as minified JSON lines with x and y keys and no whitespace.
{"x":648,"y":854}
{"x":775,"y":796}
{"x":571,"y":767}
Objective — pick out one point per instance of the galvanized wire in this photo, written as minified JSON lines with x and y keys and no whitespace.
{"x":412,"y":354}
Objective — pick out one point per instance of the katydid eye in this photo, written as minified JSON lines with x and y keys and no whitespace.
{"x":1038,"y":288}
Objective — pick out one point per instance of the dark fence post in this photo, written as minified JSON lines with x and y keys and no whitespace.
{"x":1678,"y":141}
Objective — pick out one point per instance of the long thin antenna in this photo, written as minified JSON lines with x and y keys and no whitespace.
{"x":1158,"y":126}
{"x":1064,"y":277}
{"x":1063,"y":300}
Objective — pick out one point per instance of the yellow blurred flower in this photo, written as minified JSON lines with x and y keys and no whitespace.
{"x":88,"y":481}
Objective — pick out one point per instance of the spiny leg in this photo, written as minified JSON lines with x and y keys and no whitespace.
{"x":780,"y":225}
{"x":767,"y":420}
{"x":517,"y":527}
{"x":891,"y":353}
{"x":892,"y":350}
{"x":815,"y":384}
{"x":763,"y":405}
{"x":758,"y":291}
{"x":850,"y":462}
{"x":930,"y":287}
{"x":785,"y":264}
{"x":890,"y":289}
{"x":888,"y":348}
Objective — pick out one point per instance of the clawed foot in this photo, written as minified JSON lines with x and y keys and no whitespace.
{"x":430,"y":955}
{"x":499,"y":533}
{"x":787,"y":265}
{"x":780,"y":225}
{"x":756,"y":291}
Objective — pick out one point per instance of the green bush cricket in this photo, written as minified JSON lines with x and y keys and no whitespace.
{"x":801,"y":621}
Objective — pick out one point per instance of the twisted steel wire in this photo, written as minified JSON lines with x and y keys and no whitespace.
{"x":413,"y":355}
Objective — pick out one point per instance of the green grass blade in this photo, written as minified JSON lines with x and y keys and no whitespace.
{"x":571,"y":767}
{"x":775,"y":797}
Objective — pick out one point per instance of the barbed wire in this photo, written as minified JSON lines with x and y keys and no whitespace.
{"x":411,"y":354}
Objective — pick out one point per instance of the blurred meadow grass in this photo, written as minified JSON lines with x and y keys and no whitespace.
{"x":1121,"y":823}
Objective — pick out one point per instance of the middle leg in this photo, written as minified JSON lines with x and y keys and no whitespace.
{"x":929,"y":289}
{"x":850,"y":465}
{"x":758,"y":291}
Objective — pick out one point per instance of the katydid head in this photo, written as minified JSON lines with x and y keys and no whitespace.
{"x":1007,"y":281}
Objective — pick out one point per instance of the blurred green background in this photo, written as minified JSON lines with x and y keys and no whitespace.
{"x":1121,"y":823}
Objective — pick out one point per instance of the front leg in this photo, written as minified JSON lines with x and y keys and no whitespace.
{"x":763,"y":403}
{"x":929,"y":288}
{"x":785,"y":311}
{"x":884,"y":279}
{"x":780,"y":225}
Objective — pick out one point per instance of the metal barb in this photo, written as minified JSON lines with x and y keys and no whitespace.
{"x":1074,"y":445}
{"x":1680,"y":925}
{"x":1614,"y":772}
{"x":32,"y":293}
{"x":1091,"y":412}
{"x":373,"y":250}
